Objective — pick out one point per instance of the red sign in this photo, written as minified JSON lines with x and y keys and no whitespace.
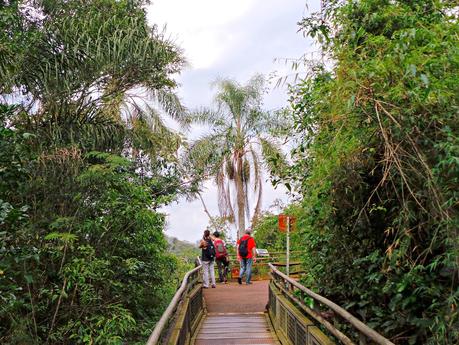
{"x":283,"y":222}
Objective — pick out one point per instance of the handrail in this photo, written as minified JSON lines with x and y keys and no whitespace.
{"x":161,"y":324}
{"x":274,"y":254}
{"x":364,"y":329}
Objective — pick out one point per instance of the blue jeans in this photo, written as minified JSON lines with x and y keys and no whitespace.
{"x":246,"y":267}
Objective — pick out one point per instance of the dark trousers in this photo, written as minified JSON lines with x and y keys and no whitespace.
{"x":223,"y":265}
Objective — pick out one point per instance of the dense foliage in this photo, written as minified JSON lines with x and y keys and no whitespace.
{"x":268,"y":235}
{"x":84,"y":164}
{"x":376,"y":167}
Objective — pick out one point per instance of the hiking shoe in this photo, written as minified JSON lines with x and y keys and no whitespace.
{"x":213,"y":286}
{"x":239,"y":280}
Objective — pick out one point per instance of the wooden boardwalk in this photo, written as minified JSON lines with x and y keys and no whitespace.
{"x":235,"y":316}
{"x":235,"y":298}
{"x":235,"y":329}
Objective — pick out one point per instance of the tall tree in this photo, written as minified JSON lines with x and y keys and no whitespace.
{"x":90,"y":76}
{"x":238,"y":143}
{"x":83,"y":255}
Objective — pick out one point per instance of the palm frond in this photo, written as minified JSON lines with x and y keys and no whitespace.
{"x":206,"y":116}
{"x":230,"y":169}
{"x":221,"y":192}
{"x":80,"y":66}
{"x":171,"y":104}
{"x":224,"y":195}
{"x":256,"y":167}
{"x":207,"y":155}
{"x":245,"y":185}
{"x":231,"y":214}
{"x":257,"y":210}
{"x":232,"y":97}
{"x":246,"y":171}
{"x":149,"y":132}
{"x":273,"y":156}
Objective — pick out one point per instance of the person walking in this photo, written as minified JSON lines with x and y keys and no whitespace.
{"x":207,"y":259}
{"x":246,"y":251}
{"x":221,"y":257}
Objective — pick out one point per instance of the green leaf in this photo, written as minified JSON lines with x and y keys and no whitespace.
{"x":28,"y":278}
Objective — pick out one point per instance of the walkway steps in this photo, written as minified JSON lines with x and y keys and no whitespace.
{"x":235,"y":329}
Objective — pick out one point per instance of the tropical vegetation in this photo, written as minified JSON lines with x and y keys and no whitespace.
{"x":375,"y":165}
{"x":85,"y":162}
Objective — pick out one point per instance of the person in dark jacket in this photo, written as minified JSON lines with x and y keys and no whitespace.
{"x":207,"y":259}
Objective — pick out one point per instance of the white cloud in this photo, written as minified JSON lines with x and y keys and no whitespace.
{"x":201,"y":25}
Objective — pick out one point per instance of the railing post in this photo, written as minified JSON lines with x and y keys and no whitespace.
{"x":288,"y":246}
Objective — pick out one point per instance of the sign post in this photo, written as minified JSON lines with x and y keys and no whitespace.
{"x":287,"y":224}
{"x":288,"y":247}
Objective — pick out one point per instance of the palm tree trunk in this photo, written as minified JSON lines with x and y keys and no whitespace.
{"x":240,"y":196}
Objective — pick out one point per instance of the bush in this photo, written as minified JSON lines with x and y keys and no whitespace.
{"x":376,"y":166}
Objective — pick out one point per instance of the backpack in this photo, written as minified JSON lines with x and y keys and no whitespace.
{"x":243,"y":248}
{"x":210,"y":250}
{"x":220,"y":249}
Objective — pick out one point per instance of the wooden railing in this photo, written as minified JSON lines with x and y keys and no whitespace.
{"x":289,"y":314}
{"x":289,"y":311}
{"x":183,"y":315}
{"x":273,"y":256}
{"x":260,"y":269}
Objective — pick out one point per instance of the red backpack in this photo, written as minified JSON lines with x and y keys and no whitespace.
{"x":220,"y":249}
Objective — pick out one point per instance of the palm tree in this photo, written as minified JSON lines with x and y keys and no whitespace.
{"x":238,"y":143}
{"x":97,"y":79}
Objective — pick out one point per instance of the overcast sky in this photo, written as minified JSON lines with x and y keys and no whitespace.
{"x":233,"y":39}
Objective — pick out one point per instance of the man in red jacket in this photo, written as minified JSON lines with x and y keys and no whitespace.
{"x":246,"y":254}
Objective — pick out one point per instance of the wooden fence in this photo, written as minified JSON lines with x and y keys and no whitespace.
{"x":290,"y":314}
{"x":184,"y":313}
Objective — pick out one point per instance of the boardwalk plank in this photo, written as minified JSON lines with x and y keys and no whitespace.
{"x":235,"y":330}
{"x":234,"y":323}
{"x":236,"y":316}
